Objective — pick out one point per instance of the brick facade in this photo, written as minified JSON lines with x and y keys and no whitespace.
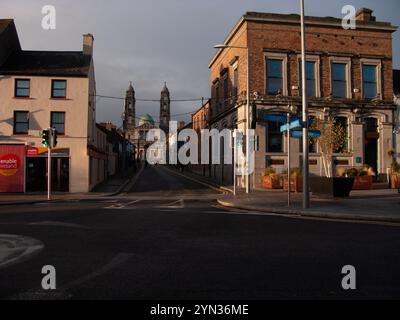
{"x":278,"y":35}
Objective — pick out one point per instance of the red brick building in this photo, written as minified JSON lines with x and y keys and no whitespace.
{"x":349,"y":77}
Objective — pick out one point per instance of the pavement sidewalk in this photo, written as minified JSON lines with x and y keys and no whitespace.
{"x":366,"y":205}
{"x":111,"y":187}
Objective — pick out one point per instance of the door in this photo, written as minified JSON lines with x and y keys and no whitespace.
{"x":371,"y":143}
{"x":36,"y":174}
{"x":60,"y":174}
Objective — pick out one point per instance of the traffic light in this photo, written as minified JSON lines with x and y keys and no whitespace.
{"x":46,"y":137}
{"x":54,"y":138}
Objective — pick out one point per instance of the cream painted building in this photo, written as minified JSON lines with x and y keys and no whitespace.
{"x":41,"y":89}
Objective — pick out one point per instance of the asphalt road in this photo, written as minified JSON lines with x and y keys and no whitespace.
{"x":167,"y":239}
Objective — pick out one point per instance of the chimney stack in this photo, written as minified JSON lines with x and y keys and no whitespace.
{"x":88,"y":44}
{"x":365,"y":14}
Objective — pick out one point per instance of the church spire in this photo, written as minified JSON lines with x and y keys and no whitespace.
{"x":165,"y":109}
{"x":165,"y":88}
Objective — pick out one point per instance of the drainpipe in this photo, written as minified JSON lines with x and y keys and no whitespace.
{"x":396,"y":131}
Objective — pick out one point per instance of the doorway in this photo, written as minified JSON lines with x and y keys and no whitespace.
{"x":371,"y":143}
{"x":36,"y":174}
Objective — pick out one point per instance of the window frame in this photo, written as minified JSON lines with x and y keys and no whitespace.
{"x":276,"y":56}
{"x":51,"y":121}
{"x":15,"y":122}
{"x":378,"y":65}
{"x":317,"y":61}
{"x":216,"y":96}
{"x":235,"y":83}
{"x":52,"y":88}
{"x":225,"y":89}
{"x":16,"y":88}
{"x":348,"y":73}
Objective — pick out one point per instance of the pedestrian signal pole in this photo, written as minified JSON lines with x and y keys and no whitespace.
{"x":47,"y":140}
{"x":49,"y":164}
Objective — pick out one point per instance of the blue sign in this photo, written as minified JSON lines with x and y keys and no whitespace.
{"x":293,"y":125}
{"x":311,"y":133}
{"x":274,"y":117}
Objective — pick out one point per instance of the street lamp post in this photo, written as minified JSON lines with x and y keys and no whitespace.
{"x":306,"y":195}
{"x":247,"y":110}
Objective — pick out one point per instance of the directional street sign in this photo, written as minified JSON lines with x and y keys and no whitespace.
{"x":296,"y":124}
{"x":293,"y":125}
{"x":275,"y":117}
{"x":311,"y":134}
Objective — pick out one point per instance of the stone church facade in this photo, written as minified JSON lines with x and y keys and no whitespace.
{"x":136,"y":129}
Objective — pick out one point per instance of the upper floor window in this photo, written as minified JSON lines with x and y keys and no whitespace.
{"x":58,"y":122}
{"x":216,"y":97}
{"x":22,"y":88}
{"x":58,"y":88}
{"x":21,"y":122}
{"x":274,"y":76}
{"x":311,"y":79}
{"x":370,"y":81}
{"x":339,"y":80}
{"x":235,"y":81}
{"x":226,"y":89}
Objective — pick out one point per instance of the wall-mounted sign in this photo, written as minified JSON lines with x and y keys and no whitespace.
{"x":9,"y":164}
{"x":12,"y":173}
{"x":42,"y":152}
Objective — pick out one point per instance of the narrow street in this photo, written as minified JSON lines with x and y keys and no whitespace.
{"x":167,"y":239}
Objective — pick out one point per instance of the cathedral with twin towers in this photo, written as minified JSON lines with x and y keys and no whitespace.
{"x":136,"y":131}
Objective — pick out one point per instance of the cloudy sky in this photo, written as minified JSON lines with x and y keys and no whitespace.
{"x":152,"y":41}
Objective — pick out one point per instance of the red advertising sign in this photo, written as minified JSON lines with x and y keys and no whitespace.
{"x":12,"y":168}
{"x":32,"y":151}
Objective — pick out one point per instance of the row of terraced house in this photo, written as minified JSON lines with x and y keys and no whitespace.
{"x":42,"y":89}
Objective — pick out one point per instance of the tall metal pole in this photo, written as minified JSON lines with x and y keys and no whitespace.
{"x":306,"y":195}
{"x":248,"y":122}
{"x":288,"y":159}
{"x":234,"y":160}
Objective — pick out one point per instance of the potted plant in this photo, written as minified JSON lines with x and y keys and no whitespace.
{"x":333,"y":137}
{"x":362,"y":177}
{"x":394,"y":178}
{"x":296,"y":180}
{"x":271,"y":180}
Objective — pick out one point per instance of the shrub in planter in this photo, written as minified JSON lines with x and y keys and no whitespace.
{"x":296,"y":181}
{"x":394,"y":177}
{"x":362,"y":177}
{"x":271,"y":180}
{"x":395,"y":180}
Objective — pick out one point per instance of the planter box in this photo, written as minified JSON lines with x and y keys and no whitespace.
{"x":296,"y":184}
{"x":394,"y":181}
{"x":331,"y":187}
{"x":271,"y":182}
{"x":362,"y":183}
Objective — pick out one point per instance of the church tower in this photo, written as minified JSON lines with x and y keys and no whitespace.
{"x":129,"y":112}
{"x":165,"y":109}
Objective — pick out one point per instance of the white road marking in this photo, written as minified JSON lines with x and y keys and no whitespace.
{"x":15,"y":249}
{"x":178,"y":204}
{"x":62,"y":292}
{"x":58,"y":224}
{"x":122,"y":205}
